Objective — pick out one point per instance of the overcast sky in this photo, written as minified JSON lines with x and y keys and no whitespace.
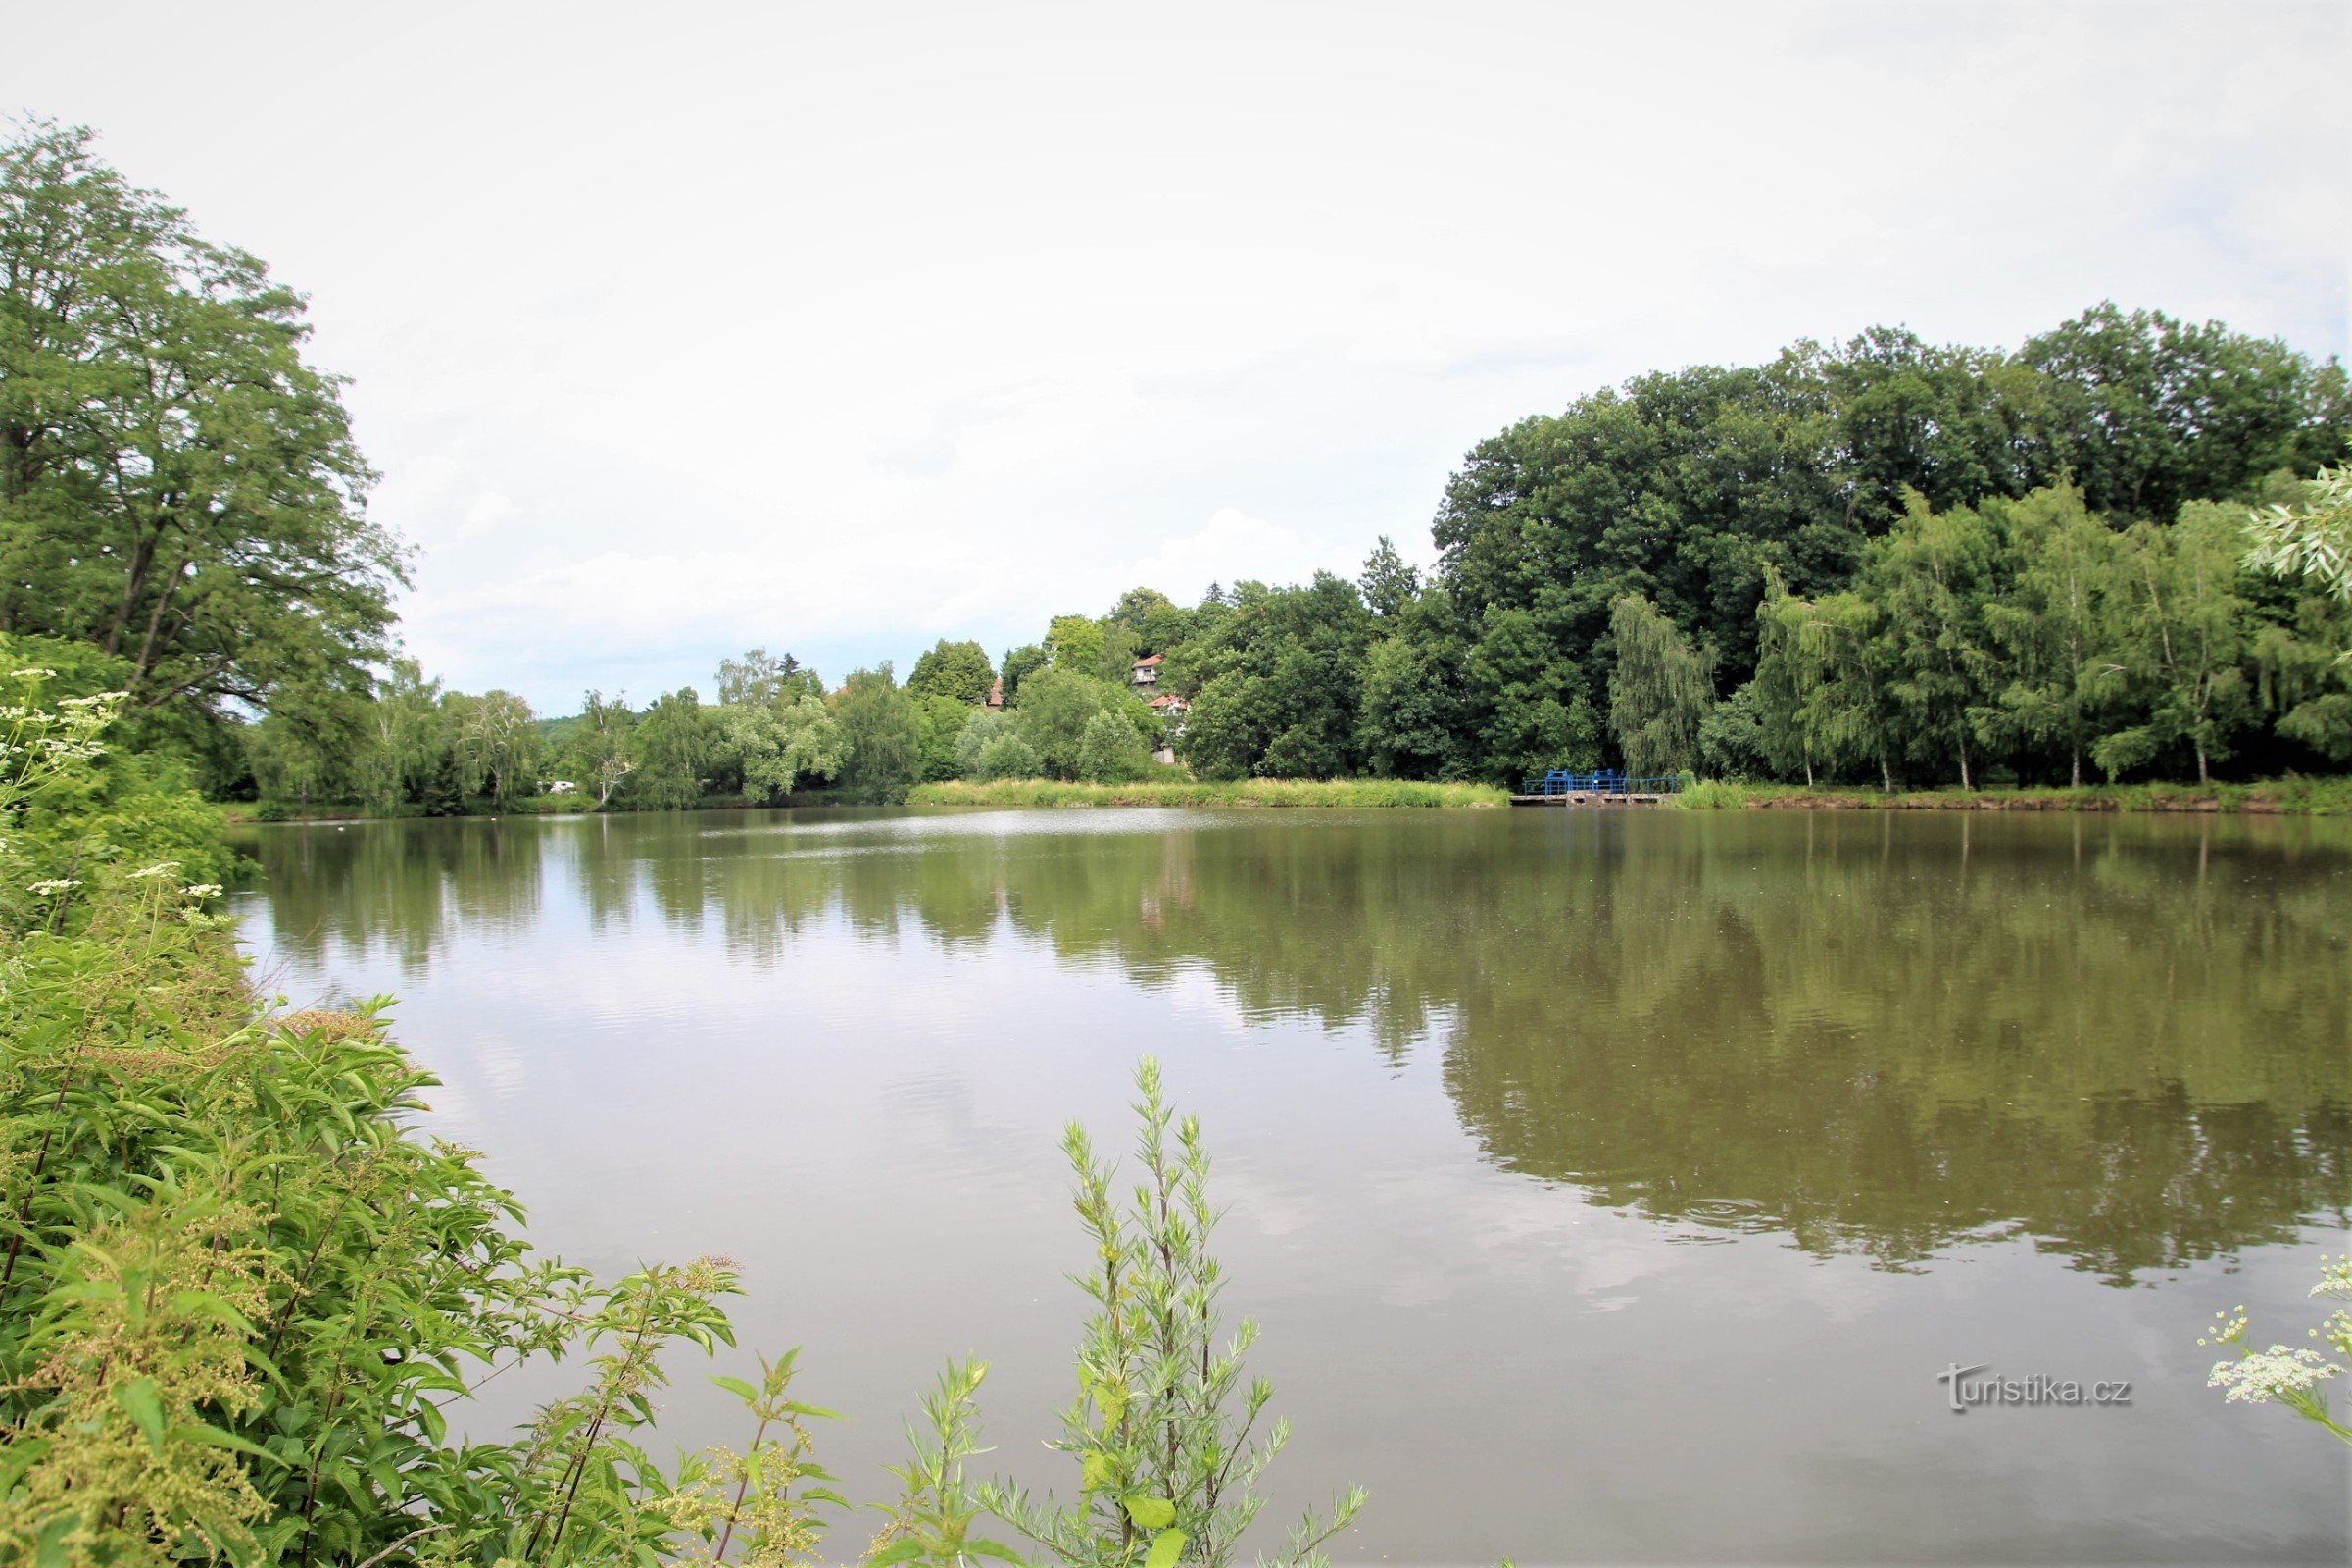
{"x":675,"y":330}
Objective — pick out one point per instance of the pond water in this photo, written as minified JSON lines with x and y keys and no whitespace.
{"x":1608,"y":1185}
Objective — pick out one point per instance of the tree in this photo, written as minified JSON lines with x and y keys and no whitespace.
{"x":1523,"y":697}
{"x":939,"y":720}
{"x":1110,"y":752}
{"x":780,"y":744}
{"x":759,"y":677}
{"x":978,"y":730}
{"x":2147,"y":412}
{"x":1007,"y":755}
{"x":1409,"y":707}
{"x":882,"y":735}
{"x":958,"y":671}
{"x":2052,"y":628}
{"x":497,"y":745}
{"x":1732,"y":741}
{"x":1074,"y":643}
{"x":288,"y":763}
{"x":2181,"y":637}
{"x":1054,"y":707}
{"x":178,"y":485}
{"x":1018,"y":666}
{"x":1789,"y":675}
{"x":1659,"y":692}
{"x":405,"y":742}
{"x":1931,"y":578}
{"x":1388,"y":583}
{"x":600,"y":747}
{"x":671,"y":748}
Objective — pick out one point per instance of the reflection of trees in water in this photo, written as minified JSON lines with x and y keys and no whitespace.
{"x":406,"y":887}
{"x":1878,"y":1033}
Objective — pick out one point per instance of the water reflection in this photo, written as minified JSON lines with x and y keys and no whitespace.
{"x":2125,"y":1038}
{"x":1611,"y":1187}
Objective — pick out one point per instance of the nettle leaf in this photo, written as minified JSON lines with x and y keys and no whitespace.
{"x":1167,"y":1547}
{"x":138,"y":1401}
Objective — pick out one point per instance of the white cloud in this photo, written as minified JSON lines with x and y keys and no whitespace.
{"x":840,"y":328}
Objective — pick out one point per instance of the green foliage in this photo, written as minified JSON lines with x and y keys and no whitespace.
{"x":882,"y":734}
{"x":2310,"y":539}
{"x":1006,"y":755}
{"x":1348,"y":794}
{"x":1164,"y":1430}
{"x":1658,"y":694}
{"x":495,"y":742}
{"x":1057,"y":705}
{"x":1733,"y":743}
{"x":597,"y":749}
{"x":1278,"y":682}
{"x":2050,"y":665}
{"x":1074,"y":644}
{"x":2181,"y":637}
{"x":241,"y":1287}
{"x":1930,"y":578}
{"x":1110,"y":752}
{"x":959,"y":671}
{"x":759,"y":677}
{"x":670,"y":747}
{"x":778,"y":744}
{"x":1018,"y":665}
{"x":75,"y":812}
{"x":182,"y":489}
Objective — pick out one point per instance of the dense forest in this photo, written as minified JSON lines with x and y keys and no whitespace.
{"x":2115,"y":552}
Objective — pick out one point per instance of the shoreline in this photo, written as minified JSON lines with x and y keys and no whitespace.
{"x":2295,"y":796}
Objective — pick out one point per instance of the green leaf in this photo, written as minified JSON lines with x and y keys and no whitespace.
{"x":1150,"y":1513}
{"x":737,"y":1387}
{"x":905,"y":1550}
{"x":977,"y":1548}
{"x":138,"y":1401}
{"x":1166,"y":1547}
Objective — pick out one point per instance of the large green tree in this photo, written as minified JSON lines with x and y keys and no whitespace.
{"x":1659,"y":692}
{"x":178,"y":484}
{"x":957,"y":670}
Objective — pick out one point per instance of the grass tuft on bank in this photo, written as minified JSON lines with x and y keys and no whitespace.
{"x":1256,"y":792}
{"x":2288,"y":796}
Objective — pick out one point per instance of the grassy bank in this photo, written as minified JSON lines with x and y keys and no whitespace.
{"x":2293,"y":796}
{"x":1265,"y":792}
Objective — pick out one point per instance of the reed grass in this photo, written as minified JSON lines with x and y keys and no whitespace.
{"x":2290,"y":797}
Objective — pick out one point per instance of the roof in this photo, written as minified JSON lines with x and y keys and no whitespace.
{"x":1146,"y":663}
{"x":1169,"y":701}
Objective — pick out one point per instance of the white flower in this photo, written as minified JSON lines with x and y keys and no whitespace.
{"x":55,"y":885}
{"x":203,"y":890}
{"x":159,"y":868}
{"x":2263,"y":1376}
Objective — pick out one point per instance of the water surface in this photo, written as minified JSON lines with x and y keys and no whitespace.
{"x":1609,"y":1185}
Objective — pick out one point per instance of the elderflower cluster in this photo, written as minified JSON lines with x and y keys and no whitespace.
{"x":53,"y":885}
{"x":2261,"y":1376}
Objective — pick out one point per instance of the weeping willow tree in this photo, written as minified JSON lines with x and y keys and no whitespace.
{"x":1660,"y":691}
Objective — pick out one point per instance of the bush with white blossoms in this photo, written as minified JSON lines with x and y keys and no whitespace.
{"x":2289,"y":1375}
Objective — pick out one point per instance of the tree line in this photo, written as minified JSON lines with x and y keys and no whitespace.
{"x":2116,"y":551}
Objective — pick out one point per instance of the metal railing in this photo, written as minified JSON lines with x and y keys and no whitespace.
{"x":1608,"y":781}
